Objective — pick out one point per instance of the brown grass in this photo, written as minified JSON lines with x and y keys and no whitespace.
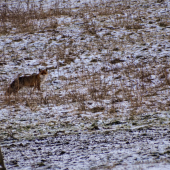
{"x":131,"y":82}
{"x":26,"y":19}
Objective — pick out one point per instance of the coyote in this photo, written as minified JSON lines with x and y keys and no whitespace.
{"x":33,"y":80}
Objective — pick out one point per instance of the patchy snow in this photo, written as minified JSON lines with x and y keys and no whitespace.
{"x":105,"y":103}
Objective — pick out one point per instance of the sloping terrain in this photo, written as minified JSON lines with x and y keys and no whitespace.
{"x":105,"y":103}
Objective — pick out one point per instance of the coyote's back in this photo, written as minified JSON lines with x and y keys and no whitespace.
{"x":33,"y":80}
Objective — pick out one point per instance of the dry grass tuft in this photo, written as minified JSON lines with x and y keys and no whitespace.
{"x":2,"y":161}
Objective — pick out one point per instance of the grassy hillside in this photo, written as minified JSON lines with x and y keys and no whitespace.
{"x":108,"y":65}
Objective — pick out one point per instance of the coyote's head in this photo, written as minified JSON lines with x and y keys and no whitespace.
{"x":43,"y":74}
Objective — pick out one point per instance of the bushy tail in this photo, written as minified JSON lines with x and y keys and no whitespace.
{"x":14,"y":87}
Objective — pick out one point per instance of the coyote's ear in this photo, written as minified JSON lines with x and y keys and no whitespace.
{"x":46,"y":69}
{"x":39,"y":70}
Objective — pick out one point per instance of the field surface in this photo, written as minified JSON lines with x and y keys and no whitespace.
{"x":106,"y":101}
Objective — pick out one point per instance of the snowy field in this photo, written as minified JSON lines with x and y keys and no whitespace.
{"x":106,"y":101}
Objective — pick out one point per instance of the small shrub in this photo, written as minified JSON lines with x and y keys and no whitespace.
{"x":97,"y":109}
